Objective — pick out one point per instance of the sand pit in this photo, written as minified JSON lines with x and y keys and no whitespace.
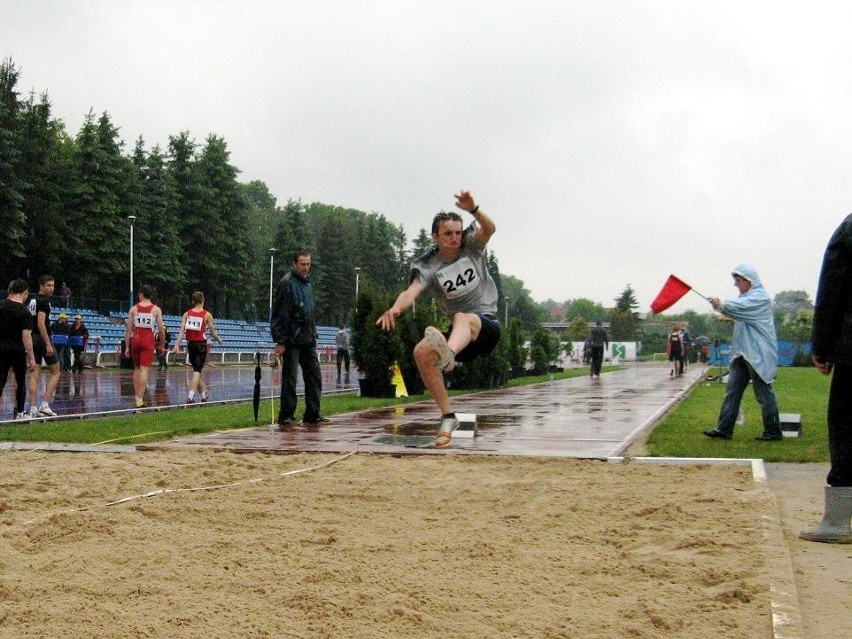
{"x":374,"y":546}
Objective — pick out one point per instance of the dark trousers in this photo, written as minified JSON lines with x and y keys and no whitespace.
{"x":77,"y":367}
{"x":342,"y":358}
{"x":597,"y":360}
{"x":63,"y":353}
{"x":840,"y":427}
{"x":740,"y":373}
{"x":307,"y":359}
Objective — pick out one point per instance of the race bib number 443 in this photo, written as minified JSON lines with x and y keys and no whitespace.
{"x":459,"y":278}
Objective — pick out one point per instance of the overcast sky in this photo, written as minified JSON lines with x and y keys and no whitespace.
{"x":612,"y":142}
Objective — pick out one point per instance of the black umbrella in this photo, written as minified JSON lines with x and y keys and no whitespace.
{"x":256,"y":398}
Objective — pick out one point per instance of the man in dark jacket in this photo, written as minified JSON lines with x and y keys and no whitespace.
{"x":831,"y":349}
{"x":295,"y":334}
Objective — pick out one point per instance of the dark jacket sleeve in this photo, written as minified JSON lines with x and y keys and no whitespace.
{"x":831,"y":339}
{"x":280,"y":320}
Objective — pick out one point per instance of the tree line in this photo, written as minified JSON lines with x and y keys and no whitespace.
{"x":67,"y":202}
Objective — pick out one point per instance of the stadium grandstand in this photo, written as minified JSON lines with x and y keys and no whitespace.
{"x":241,"y":339}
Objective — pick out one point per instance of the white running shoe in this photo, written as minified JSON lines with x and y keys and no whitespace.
{"x":45,"y":410}
{"x":22,"y":416}
{"x":435,"y":339}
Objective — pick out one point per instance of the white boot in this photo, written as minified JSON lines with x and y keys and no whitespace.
{"x":834,"y":527}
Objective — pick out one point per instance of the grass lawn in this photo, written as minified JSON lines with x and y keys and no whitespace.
{"x":799,"y":390}
{"x":151,"y":426}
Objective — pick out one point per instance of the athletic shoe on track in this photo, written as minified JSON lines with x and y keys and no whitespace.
{"x":45,"y":410}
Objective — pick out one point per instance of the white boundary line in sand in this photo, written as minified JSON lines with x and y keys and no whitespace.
{"x":167,"y":491}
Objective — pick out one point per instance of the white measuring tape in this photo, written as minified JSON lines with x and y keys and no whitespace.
{"x":166,"y":491}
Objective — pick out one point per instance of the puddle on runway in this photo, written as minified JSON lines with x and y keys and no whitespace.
{"x":408,"y":441}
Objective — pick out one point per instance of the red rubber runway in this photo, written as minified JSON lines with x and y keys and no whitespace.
{"x":579,"y":417}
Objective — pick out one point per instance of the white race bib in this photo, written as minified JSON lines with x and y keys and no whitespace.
{"x":459,"y":278}
{"x":144,"y":320}
{"x":194,"y":323}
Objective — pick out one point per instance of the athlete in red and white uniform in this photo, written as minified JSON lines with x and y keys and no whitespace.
{"x":195,"y":324}
{"x":145,"y":328}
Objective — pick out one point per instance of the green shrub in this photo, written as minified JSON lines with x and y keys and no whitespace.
{"x":374,"y":350}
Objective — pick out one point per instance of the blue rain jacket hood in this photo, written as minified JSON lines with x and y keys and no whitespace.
{"x":754,"y":325}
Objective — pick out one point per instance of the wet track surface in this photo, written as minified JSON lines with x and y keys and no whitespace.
{"x":111,"y":389}
{"x":578,"y":417}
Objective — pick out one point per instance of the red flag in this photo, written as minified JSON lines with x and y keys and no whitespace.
{"x":673,"y":290}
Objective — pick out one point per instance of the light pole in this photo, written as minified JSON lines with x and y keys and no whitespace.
{"x":132,"y":219}
{"x":272,"y":252}
{"x":506,"y":312}
{"x":357,"y":281}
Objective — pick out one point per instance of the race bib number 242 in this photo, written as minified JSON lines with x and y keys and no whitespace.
{"x":459,"y":278}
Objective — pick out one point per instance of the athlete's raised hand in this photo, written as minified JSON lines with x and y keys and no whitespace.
{"x":465,"y":201}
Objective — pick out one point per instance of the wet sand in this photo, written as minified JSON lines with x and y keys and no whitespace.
{"x":376,"y":546}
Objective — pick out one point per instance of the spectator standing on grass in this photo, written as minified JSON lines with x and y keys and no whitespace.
{"x":831,"y":351}
{"x":16,"y":343}
{"x":754,"y":355}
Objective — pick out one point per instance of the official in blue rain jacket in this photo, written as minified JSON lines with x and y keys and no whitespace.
{"x":754,"y":354}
